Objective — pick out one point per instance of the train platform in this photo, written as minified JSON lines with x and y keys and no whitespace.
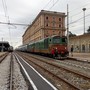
{"x":80,"y":56}
{"x":1,"y":53}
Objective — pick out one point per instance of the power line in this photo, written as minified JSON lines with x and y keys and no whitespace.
{"x":76,"y":14}
{"x":53,"y":4}
{"x":78,"y":20}
{"x":14,"y":24}
{"x":4,"y":7}
{"x":47,"y":4}
{"x":5,"y":10}
{"x":79,"y":7}
{"x":7,"y":17}
{"x":79,"y":25}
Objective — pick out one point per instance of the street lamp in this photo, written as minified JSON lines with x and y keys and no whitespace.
{"x":84,"y":18}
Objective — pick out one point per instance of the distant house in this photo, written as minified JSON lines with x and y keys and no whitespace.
{"x":80,"y":43}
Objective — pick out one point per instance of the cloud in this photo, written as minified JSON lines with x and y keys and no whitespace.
{"x":25,"y":11}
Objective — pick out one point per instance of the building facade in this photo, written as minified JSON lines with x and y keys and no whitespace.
{"x":47,"y":23}
{"x":80,"y":43}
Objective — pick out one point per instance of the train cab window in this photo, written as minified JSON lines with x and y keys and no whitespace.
{"x":56,"y":40}
{"x":64,"y":40}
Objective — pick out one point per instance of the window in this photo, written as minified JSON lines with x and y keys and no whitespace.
{"x":89,"y":47}
{"x":60,"y":19}
{"x":47,"y":18}
{"x":47,"y":24}
{"x":53,"y":24}
{"x":53,"y":18}
{"x":83,"y":48}
{"x":53,"y":32}
{"x":60,"y":25}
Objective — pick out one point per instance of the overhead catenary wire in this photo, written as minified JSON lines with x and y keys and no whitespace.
{"x":14,"y":24}
{"x":5,"y":11}
{"x":46,"y":5}
{"x":54,"y":3}
{"x":79,"y":7}
{"x":75,"y":21}
{"x":74,"y":26}
{"x":7,"y":16}
{"x":78,"y":13}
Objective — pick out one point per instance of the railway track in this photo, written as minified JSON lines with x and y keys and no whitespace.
{"x":11,"y":72}
{"x":2,"y":57}
{"x":81,"y":66}
{"x":68,"y":79}
{"x":8,"y":66}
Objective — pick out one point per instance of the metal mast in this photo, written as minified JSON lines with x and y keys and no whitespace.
{"x":67,"y":28}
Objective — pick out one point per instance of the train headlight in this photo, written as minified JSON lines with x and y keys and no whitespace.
{"x":62,"y":52}
{"x":65,"y":47}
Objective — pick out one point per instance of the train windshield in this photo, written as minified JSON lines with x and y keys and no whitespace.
{"x":64,"y":40}
{"x":59,"y":40}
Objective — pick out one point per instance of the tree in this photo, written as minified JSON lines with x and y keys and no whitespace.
{"x":88,"y":31}
{"x":71,"y":34}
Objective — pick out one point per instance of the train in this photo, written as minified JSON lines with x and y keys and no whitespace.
{"x":54,"y":46}
{"x":10,"y":49}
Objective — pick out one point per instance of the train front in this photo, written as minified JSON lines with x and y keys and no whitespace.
{"x":59,"y":44}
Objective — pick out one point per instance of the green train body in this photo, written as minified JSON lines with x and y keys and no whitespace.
{"x":46,"y":45}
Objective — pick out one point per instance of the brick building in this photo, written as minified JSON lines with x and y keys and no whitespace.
{"x":47,"y":23}
{"x":80,"y":43}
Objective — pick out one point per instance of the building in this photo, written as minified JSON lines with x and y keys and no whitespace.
{"x":4,"y":45}
{"x":80,"y":43}
{"x":47,"y":23}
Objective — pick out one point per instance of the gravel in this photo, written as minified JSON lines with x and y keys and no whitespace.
{"x":4,"y":74}
{"x":19,"y":82}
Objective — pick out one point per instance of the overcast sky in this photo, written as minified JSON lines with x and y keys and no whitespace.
{"x":25,"y":11}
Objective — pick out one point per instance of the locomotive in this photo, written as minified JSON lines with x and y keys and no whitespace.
{"x":48,"y":46}
{"x":10,"y":49}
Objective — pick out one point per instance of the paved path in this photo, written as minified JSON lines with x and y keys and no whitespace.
{"x":81,"y":56}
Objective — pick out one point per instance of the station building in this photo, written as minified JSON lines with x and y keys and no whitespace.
{"x":80,"y":43}
{"x":4,"y":45}
{"x":47,"y":23}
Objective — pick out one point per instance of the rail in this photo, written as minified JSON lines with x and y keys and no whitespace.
{"x":11,"y":72}
{"x":60,"y":79}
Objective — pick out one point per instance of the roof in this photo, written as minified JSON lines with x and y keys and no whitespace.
{"x":80,"y":36}
{"x":4,"y":43}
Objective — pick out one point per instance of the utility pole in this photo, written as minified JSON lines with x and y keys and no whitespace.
{"x":67,"y":28}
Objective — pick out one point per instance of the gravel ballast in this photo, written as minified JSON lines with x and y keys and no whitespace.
{"x":19,"y":82}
